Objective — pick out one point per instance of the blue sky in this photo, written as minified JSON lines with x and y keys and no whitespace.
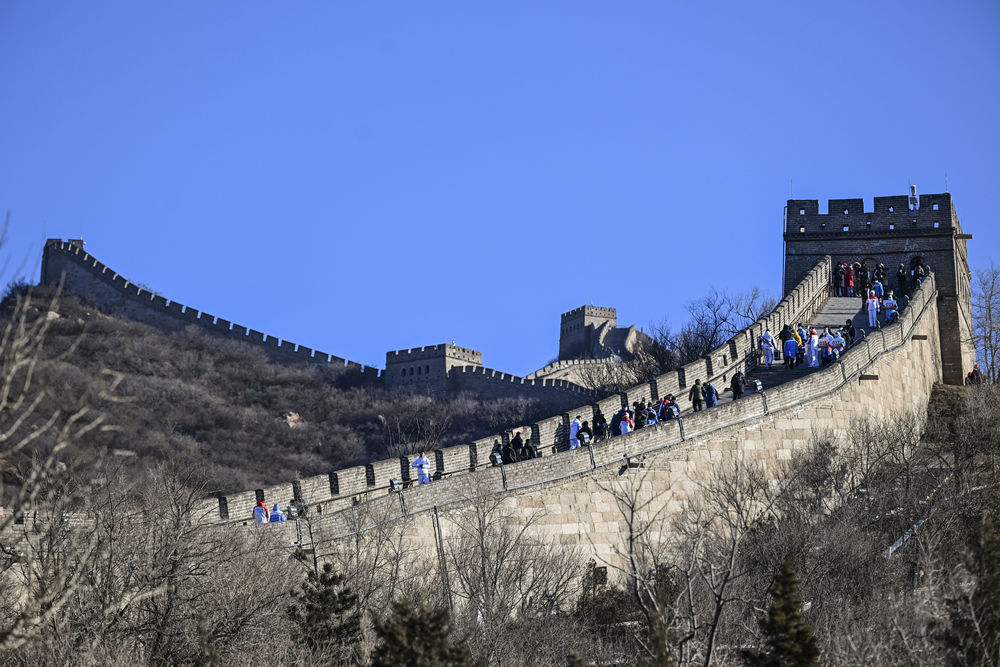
{"x":363,"y":177}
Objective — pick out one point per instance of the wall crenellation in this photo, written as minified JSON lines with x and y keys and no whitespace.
{"x":343,"y":488}
{"x":68,"y":256}
{"x":769,"y":425}
{"x":893,"y":233}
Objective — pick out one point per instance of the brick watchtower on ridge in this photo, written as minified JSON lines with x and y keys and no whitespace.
{"x":926,"y":232}
{"x":426,"y":368}
{"x":577,"y":330}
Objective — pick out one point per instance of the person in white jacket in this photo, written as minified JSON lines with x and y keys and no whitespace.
{"x":422,"y":464}
{"x":767,"y":343}
{"x":812,"y":349}
{"x":574,"y":430}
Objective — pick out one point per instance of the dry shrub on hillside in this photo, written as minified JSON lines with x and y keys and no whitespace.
{"x":226,"y":402}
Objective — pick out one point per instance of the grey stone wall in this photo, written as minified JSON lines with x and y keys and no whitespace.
{"x":344,"y":488}
{"x":572,"y":490}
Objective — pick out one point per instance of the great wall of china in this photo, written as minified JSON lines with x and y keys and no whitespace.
{"x":891,"y":371}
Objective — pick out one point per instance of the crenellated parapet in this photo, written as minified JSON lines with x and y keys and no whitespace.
{"x":67,"y":263}
{"x":342,"y":489}
{"x":902,"y":232}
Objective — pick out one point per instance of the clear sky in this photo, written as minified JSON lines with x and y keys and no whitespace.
{"x":368,"y":176}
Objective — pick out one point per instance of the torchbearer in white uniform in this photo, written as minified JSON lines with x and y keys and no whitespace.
{"x":812,"y":349}
{"x":422,"y":464}
{"x":767,"y":342}
{"x":872,"y":304}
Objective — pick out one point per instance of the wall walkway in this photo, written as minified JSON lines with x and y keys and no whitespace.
{"x":891,"y":372}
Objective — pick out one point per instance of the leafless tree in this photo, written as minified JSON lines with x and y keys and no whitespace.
{"x":502,"y":577}
{"x":986,"y":319}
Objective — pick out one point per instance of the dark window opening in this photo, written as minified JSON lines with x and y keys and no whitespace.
{"x":427,"y":369}
{"x":404,"y":372}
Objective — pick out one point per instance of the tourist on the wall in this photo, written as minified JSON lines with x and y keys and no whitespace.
{"x":890,"y":306}
{"x":651,"y":417}
{"x":790,"y":348}
{"x":496,"y":454}
{"x":837,"y":344}
{"x":260,"y":512}
{"x":849,"y":332}
{"x":840,"y":279}
{"x":767,"y":345}
{"x":585,"y":435}
{"x":276,"y":514}
{"x":423,"y":466}
{"x":638,"y":415}
{"x":879,"y":291}
{"x":711,"y":395}
{"x":625,"y":424}
{"x":600,"y":425}
{"x":507,"y":454}
{"x":530,"y":451}
{"x":901,"y":280}
{"x":517,"y":443}
{"x":849,"y":280}
{"x":574,"y":428}
{"x":872,"y":306}
{"x":738,"y":385}
{"x":697,"y":395}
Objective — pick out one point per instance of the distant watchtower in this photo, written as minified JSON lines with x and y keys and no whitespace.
{"x":578,"y":330}
{"x":426,"y":368}
{"x":917,"y":230}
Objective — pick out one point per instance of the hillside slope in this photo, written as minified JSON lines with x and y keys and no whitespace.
{"x":248,"y":420}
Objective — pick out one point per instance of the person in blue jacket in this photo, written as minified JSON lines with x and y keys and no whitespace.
{"x":276,"y":514}
{"x":711,"y":395}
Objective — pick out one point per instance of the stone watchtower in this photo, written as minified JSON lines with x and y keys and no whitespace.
{"x":426,"y":368}
{"x":915,"y":230}
{"x":577,"y":331}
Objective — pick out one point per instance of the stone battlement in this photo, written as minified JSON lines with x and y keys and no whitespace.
{"x":434,"y":351}
{"x":894,"y":234}
{"x":341,"y":489}
{"x":593,"y":311}
{"x":88,"y":277}
{"x":889,"y":214}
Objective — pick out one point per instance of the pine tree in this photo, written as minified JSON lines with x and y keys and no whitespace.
{"x":325,"y":616}
{"x":788,"y":639}
{"x":417,"y":636}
